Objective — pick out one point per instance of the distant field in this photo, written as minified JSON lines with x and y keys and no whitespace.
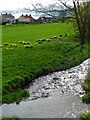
{"x":21,"y":65}
{"x":31,"y":33}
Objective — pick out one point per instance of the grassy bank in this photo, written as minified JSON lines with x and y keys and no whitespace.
{"x":86,"y":87}
{"x":10,"y":118}
{"x":24,"y":62}
{"x":85,"y":116}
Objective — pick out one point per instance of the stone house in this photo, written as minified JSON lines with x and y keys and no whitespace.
{"x":47,"y":19}
{"x":43,"y":20}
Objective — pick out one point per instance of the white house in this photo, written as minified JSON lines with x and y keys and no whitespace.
{"x":7,"y":18}
{"x":26,"y":19}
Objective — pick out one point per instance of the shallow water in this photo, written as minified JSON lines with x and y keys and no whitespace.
{"x":55,"y":106}
{"x":57,"y":95}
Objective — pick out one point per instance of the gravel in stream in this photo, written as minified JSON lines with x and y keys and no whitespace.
{"x":64,"y":81}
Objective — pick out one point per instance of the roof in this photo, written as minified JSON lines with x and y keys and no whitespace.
{"x":7,"y":15}
{"x":27,"y":16}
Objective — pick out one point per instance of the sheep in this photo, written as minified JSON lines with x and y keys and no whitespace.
{"x":37,"y":40}
{"x":23,"y":42}
{"x":20,"y":41}
{"x":43,"y":39}
{"x":48,"y":40}
{"x":27,"y":42}
{"x":51,"y":38}
{"x":54,"y":37}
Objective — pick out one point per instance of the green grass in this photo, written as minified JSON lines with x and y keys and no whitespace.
{"x":85,"y":116}
{"x":21,"y":65}
{"x":16,"y":97}
{"x":86,"y":98}
{"x":17,"y":33}
{"x":86,"y":87}
{"x":10,"y":118}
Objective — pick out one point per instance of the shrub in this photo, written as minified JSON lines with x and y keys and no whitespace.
{"x":3,"y":22}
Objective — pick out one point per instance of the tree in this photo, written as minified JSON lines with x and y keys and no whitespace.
{"x":81,"y":12}
{"x":53,"y":10}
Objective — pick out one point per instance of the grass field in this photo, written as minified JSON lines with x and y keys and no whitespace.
{"x":23,"y":63}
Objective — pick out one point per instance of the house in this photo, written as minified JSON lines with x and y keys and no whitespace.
{"x":43,"y":20}
{"x":47,"y":19}
{"x":7,"y":18}
{"x":26,"y":19}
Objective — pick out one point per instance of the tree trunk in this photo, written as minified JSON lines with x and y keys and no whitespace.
{"x":82,"y":34}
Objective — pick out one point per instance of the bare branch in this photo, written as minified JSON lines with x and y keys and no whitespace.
{"x":64,"y":3}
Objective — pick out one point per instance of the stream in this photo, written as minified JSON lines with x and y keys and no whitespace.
{"x":56,"y":95}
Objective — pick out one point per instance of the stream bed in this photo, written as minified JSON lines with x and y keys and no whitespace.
{"x":56,"y":95}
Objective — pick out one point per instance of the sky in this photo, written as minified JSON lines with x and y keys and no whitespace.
{"x":20,"y":4}
{"x":11,"y":6}
{"x":15,"y":4}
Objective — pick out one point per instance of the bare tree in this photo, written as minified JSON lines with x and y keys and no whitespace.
{"x":54,"y":10}
{"x":81,"y":11}
{"x":80,"y":8}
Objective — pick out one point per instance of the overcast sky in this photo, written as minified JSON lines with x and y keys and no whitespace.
{"x":11,"y":6}
{"x":15,"y":4}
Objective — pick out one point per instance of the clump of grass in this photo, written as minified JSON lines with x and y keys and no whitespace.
{"x":10,"y":118}
{"x":86,"y":87}
{"x":85,"y":116}
{"x":16,"y":96}
{"x":86,"y":98}
{"x":9,"y":48}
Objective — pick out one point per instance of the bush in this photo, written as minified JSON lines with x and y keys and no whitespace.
{"x":3,"y":22}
